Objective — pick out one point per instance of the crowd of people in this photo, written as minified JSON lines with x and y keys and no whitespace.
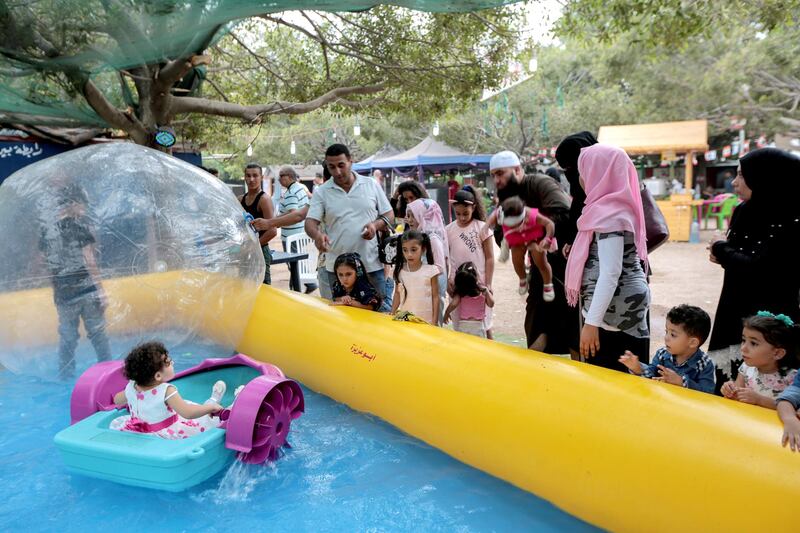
{"x":587,"y":288}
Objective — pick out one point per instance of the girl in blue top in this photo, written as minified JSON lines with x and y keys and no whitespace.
{"x":352,"y":286}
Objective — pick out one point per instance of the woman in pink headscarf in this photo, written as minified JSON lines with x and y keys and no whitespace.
{"x":425,"y":215}
{"x":605,"y":269}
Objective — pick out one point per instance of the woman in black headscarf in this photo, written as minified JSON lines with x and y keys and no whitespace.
{"x":567,"y":156}
{"x":758,"y":255}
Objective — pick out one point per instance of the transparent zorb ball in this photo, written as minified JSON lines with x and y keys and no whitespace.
{"x":132,"y":244}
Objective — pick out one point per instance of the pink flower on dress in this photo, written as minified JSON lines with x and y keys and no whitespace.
{"x":154,"y":391}
{"x":140,"y":396}
{"x":202,"y":430}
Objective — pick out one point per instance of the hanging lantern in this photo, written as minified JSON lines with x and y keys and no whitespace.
{"x":436,"y":128}
{"x":533,"y":65}
{"x":249,"y":150}
{"x":292,"y":148}
{"x":357,"y":128}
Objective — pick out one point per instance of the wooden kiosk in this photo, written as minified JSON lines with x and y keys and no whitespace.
{"x":669,"y":139}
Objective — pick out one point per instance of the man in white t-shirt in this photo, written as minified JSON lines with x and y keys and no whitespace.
{"x":352,"y":208}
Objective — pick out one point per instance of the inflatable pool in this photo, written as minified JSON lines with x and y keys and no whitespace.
{"x":618,"y":451}
{"x":254,"y":428}
{"x":589,"y":440}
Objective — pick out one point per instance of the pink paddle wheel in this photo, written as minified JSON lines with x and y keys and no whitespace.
{"x":259,"y":420}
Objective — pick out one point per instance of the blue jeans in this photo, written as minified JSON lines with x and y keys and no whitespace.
{"x":91,"y":309}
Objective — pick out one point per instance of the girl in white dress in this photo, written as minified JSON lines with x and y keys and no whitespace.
{"x":416,"y":283}
{"x":155,"y":405}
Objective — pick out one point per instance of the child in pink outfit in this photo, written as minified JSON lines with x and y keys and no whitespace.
{"x":470,"y":300}
{"x":526,"y":230}
{"x":154,"y":404}
{"x":469,"y":239}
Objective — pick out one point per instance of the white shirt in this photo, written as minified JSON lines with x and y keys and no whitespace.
{"x":345,"y":214}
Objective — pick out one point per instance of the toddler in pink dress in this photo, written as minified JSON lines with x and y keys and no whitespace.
{"x":526,"y":230}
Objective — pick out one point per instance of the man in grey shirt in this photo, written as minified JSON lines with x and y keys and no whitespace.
{"x":353,"y":209}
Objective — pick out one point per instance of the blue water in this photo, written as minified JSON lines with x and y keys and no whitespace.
{"x":346,"y":471}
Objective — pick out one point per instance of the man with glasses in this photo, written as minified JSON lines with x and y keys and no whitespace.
{"x":292,"y":210}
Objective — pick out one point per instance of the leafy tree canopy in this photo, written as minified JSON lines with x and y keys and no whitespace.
{"x":138,"y":64}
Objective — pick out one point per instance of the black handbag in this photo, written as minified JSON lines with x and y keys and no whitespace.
{"x":388,"y":244}
{"x":654,"y":222}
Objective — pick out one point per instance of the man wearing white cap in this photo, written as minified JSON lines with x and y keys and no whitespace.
{"x":549,"y":327}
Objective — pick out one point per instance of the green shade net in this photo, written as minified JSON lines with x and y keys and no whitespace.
{"x":100,"y":37}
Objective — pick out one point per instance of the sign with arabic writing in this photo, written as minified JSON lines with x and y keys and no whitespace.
{"x":16,"y":155}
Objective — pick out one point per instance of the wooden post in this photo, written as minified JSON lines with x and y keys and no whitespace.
{"x":688,"y":171}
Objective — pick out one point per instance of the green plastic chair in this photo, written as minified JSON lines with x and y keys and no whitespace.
{"x":723,"y":215}
{"x":714,"y":206}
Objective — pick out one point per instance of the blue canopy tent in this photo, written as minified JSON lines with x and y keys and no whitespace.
{"x":430,"y":154}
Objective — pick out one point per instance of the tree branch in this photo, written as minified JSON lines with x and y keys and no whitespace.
{"x":259,"y":58}
{"x":254,"y":113}
{"x":124,"y":121}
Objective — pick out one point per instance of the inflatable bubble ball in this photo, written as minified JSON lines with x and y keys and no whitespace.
{"x":110,"y":245}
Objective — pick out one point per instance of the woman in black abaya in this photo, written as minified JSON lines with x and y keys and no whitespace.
{"x":759,"y":253}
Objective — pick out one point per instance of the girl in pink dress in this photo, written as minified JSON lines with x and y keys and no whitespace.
{"x":469,"y":239}
{"x":154,"y":404}
{"x":416,"y":283}
{"x":525,"y":230}
{"x":470,"y":300}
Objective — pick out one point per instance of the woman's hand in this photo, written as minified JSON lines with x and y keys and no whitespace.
{"x":590,"y":341}
{"x":718,"y":237}
{"x":565,"y":250}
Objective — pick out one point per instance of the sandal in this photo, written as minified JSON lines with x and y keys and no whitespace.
{"x":218,"y":391}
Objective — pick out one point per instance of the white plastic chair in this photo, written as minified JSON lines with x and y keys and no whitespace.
{"x":302,"y":243}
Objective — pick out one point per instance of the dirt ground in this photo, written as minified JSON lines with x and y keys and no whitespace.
{"x":681,"y":273}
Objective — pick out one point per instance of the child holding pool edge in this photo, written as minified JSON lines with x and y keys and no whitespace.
{"x":416,"y":284}
{"x":681,"y":361}
{"x":470,"y":298}
{"x":769,"y":343}
{"x":352,"y":287}
{"x":155,"y":405}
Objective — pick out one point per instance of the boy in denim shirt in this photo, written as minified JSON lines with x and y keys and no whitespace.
{"x":681,"y":362}
{"x":788,"y":405}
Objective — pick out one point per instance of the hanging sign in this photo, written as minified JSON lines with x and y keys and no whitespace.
{"x":711,"y":155}
{"x":726,"y":151}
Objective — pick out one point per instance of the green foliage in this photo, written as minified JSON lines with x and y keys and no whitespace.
{"x":394,"y":59}
{"x":670,"y":22}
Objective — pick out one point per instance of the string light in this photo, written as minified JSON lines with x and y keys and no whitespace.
{"x":292,"y":148}
{"x":436,"y":128}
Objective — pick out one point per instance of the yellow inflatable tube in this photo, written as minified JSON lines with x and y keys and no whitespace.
{"x":623,"y":453}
